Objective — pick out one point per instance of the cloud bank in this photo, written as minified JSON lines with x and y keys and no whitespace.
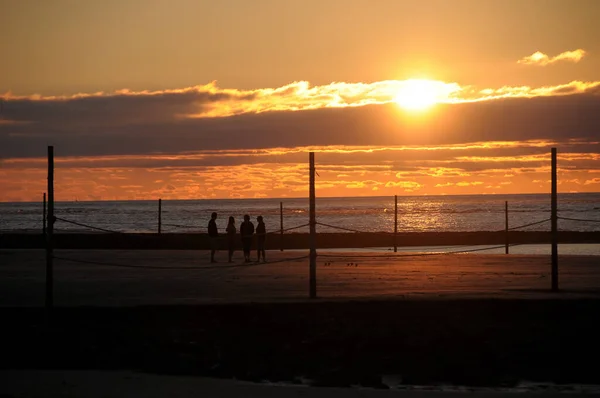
{"x":541,"y":59}
{"x":210,"y":101}
{"x":205,"y":142}
{"x":296,"y":115}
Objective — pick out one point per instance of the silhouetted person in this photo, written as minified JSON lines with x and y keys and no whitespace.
{"x":213,"y":236}
{"x":261,"y":235}
{"x":247,"y":233}
{"x":231,"y":237}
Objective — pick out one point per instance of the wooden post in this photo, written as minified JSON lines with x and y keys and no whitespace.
{"x":506,"y":226}
{"x":554,"y":224}
{"x":313,"y":229}
{"x":49,"y":233}
{"x":281,"y":225}
{"x":395,"y":223}
{"x":159,"y":215}
{"x":44,"y":215}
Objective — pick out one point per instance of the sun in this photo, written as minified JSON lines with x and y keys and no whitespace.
{"x":420,"y":94}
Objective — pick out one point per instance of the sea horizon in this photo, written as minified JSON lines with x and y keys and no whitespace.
{"x":440,"y":213}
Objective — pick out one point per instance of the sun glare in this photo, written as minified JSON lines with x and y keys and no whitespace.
{"x":420,"y":94}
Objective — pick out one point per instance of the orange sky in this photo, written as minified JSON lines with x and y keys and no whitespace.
{"x":203,"y":99}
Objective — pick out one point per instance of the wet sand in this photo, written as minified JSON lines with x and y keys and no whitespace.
{"x":187,"y":277}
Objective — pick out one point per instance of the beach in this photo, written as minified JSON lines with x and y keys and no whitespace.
{"x":433,"y":320}
{"x":178,"y":277}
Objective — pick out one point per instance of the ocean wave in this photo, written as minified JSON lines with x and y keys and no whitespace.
{"x":416,"y":214}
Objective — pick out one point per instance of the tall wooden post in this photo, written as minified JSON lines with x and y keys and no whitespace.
{"x":281,"y":225}
{"x":313,"y":229}
{"x":159,"y":215}
{"x":44,"y":215}
{"x":554,"y":223}
{"x":49,"y":233}
{"x":506,"y":227}
{"x":395,"y":223}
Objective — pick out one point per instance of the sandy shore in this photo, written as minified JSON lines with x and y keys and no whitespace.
{"x":474,"y":320}
{"x":187,"y":277}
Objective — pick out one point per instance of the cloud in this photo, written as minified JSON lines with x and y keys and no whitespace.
{"x":281,"y":175}
{"x":403,"y":184}
{"x":143,"y":125}
{"x":541,"y":59}
{"x":205,"y":101}
{"x":204,"y":141}
{"x":124,"y":108}
{"x":574,"y":87}
{"x":467,"y":183}
{"x":592,"y":181}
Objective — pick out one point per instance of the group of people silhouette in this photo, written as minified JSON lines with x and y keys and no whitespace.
{"x":247,"y":232}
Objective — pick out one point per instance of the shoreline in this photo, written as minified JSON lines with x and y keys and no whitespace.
{"x":199,"y":241}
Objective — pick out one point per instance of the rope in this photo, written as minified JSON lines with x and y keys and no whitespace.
{"x":278,"y":231}
{"x":170,"y":268}
{"x":283,"y":260}
{"x":119,"y":265}
{"x":340,"y":228}
{"x":118,"y":223}
{"x":224,"y":235}
{"x":357,"y":231}
{"x":179,"y":226}
{"x":141,"y":235}
{"x":88,"y":226}
{"x":406,"y":248}
{"x":529,"y":225}
{"x":418,"y":248}
{"x":577,"y":219}
{"x":481,"y":249}
{"x":173,"y":225}
{"x":415,"y":254}
{"x":287,"y":229}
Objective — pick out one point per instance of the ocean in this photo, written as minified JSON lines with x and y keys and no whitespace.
{"x":368,"y":214}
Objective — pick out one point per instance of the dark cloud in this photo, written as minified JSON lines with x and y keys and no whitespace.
{"x":476,"y":158}
{"x":138,"y":124}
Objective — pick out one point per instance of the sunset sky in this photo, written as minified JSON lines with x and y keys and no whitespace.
{"x":179,"y":99}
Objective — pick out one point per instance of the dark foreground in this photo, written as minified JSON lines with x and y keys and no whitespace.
{"x":462,"y":342}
